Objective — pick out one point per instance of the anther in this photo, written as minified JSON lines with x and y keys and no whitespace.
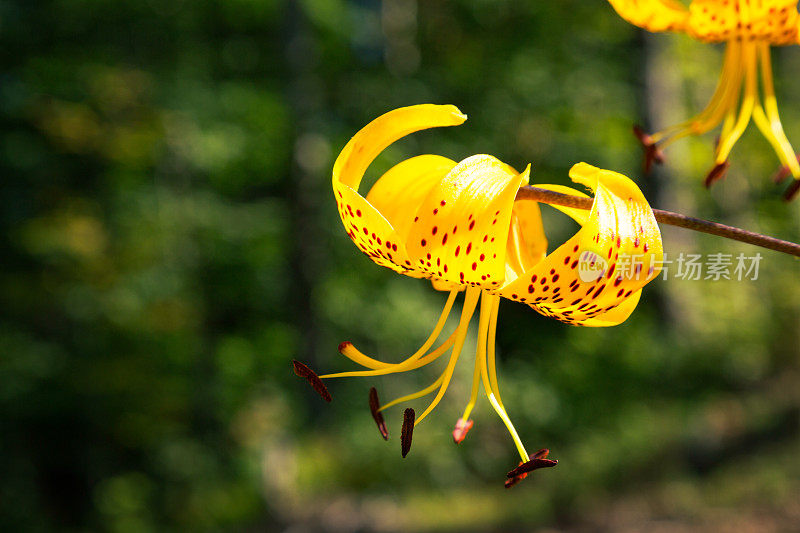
{"x":717,"y":173}
{"x":304,"y":372}
{"x":461,"y":430}
{"x":374,"y":407}
{"x":783,"y":172}
{"x":407,"y":431}
{"x":344,"y":346}
{"x":652,"y":153}
{"x":537,"y":460}
{"x":792,"y":191}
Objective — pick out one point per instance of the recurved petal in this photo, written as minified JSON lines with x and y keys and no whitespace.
{"x":373,"y":138}
{"x":459,"y":232}
{"x":617,"y":251}
{"x":365,"y":225}
{"x":653,"y":15}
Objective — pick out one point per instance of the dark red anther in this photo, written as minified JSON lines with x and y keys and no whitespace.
{"x":374,"y":407}
{"x":792,"y":191}
{"x":652,"y":153}
{"x":461,"y":430}
{"x":783,"y":172}
{"x":537,"y":460}
{"x":343,"y":345}
{"x":407,"y":432}
{"x":717,"y":173}
{"x":304,"y":372}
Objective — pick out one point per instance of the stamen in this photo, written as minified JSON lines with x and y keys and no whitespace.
{"x":748,"y":102}
{"x":782,"y":173}
{"x":487,"y":306}
{"x":304,"y":372}
{"x":791,"y":192}
{"x":348,"y":350}
{"x":461,"y":430}
{"x":404,"y":366}
{"x":725,"y":96}
{"x":535,"y":462}
{"x":407,"y":432}
{"x":470,"y":302}
{"x":375,"y":409}
{"x":717,"y":173}
{"x":651,"y":151}
{"x":419,"y":394}
{"x":492,"y":368}
{"x":473,"y":395}
{"x":786,"y":152}
{"x":763,"y":124}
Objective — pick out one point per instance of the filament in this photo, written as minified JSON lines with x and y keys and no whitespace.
{"x":784,"y":149}
{"x":351,"y":352}
{"x":746,"y":110}
{"x":408,"y":364}
{"x":419,"y":394}
{"x":470,"y":302}
{"x":488,"y":307}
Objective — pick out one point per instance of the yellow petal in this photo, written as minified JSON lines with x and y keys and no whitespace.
{"x":371,"y":140}
{"x":616,"y":315}
{"x":653,"y":15}
{"x":773,"y":21}
{"x":532,"y":237}
{"x":615,"y":253}
{"x":459,"y":232}
{"x":365,"y":225}
{"x":372,"y":233}
{"x":399,"y":193}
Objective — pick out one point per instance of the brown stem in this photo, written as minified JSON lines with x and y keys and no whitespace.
{"x":668,"y":217}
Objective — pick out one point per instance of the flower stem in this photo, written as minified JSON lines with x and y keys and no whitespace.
{"x":668,"y":217}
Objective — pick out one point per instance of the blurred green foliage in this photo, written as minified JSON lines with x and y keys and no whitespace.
{"x":170,"y":243}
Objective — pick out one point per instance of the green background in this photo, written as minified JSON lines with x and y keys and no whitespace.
{"x":170,"y":242}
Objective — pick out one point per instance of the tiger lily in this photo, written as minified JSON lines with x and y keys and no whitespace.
{"x":749,"y":28}
{"x":458,"y":225}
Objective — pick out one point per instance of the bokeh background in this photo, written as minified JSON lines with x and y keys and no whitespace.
{"x":170,"y":242}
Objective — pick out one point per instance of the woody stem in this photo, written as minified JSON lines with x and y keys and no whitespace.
{"x":670,"y":218}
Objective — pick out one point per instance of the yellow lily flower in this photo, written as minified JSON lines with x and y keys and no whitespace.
{"x":458,"y":225}
{"x":749,"y":28}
